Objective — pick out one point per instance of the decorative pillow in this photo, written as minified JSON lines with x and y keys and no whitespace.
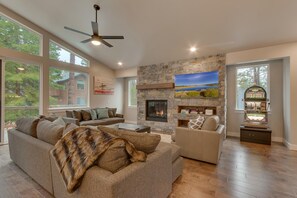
{"x":211,"y":123}
{"x":196,"y":123}
{"x":86,"y":115}
{"x":69,"y":127}
{"x":27,"y":126}
{"x":69,"y":114}
{"x":59,"y":121}
{"x":145,"y":142}
{"x":115,"y":157}
{"x":102,"y":113}
{"x":93,"y":114}
{"x":112,"y":112}
{"x":49,"y":131}
{"x":77,"y":115}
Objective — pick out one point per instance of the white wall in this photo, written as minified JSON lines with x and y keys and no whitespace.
{"x":130,"y":113}
{"x":275,"y":116}
{"x":126,"y":73}
{"x":286,"y":98}
{"x":277,"y":52}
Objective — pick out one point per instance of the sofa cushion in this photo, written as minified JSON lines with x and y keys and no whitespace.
{"x":77,"y":115}
{"x":102,"y":113}
{"x":86,"y":115}
{"x":93,"y":114}
{"x":145,"y":142}
{"x":49,"y":132}
{"x":27,"y":126}
{"x":69,"y":114}
{"x":59,"y":121}
{"x":115,"y":157}
{"x":211,"y":123}
{"x":69,"y":127}
{"x":112,"y":112}
{"x":175,"y":152}
{"x":106,"y":121}
{"x":196,"y":123}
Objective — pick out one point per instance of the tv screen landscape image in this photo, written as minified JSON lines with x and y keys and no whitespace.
{"x":197,"y":85}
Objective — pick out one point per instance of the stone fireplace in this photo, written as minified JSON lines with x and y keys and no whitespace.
{"x":153,"y":77}
{"x":156,"y":110}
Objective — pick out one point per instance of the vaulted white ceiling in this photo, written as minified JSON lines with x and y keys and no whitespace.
{"x":163,"y":30}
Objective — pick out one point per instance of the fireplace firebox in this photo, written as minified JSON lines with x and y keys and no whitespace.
{"x":156,"y":110}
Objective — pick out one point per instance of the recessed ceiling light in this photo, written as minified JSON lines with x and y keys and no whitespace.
{"x":193,"y":49}
{"x":120,"y":63}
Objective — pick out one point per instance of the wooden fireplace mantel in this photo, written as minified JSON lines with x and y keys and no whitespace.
{"x":156,"y":86}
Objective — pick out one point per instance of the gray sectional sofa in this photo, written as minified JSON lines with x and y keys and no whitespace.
{"x":152,"y":178}
{"x":101,"y":116}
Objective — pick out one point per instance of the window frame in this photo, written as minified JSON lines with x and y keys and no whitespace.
{"x":68,"y":50}
{"x":249,"y":66}
{"x":129,"y":95}
{"x":87,"y":90}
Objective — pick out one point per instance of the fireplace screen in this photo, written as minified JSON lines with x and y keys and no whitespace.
{"x":156,"y":110}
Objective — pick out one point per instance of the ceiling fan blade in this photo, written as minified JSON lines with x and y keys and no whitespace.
{"x":87,"y":40}
{"x":68,"y":28}
{"x":105,"y":43}
{"x":112,"y":37}
{"x":95,"y":27}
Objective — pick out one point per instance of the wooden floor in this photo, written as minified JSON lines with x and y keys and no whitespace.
{"x":245,"y":170}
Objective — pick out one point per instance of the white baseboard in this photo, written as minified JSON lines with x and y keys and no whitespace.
{"x":233,"y":134}
{"x":273,"y":139}
{"x":290,"y":146}
{"x":130,"y":122}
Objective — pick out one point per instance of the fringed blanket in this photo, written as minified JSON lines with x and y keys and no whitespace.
{"x":79,"y":149}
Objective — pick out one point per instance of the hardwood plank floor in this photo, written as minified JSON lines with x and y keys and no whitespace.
{"x":245,"y":170}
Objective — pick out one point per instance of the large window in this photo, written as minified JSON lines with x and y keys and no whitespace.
{"x":21,"y":92}
{"x":18,"y":37}
{"x":57,"y":52}
{"x":250,"y":75}
{"x":132,"y":93}
{"x":68,"y":88}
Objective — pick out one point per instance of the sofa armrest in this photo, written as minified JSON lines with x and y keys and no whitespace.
{"x":71,"y":120}
{"x":119,"y":115}
{"x":152,"y":178}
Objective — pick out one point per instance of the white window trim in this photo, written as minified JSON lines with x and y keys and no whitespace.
{"x":268,"y":83}
{"x":129,"y":105}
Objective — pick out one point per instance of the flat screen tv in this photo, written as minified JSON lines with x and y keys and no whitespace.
{"x":197,"y":85}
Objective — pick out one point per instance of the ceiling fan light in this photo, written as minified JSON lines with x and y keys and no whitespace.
{"x":96,"y":42}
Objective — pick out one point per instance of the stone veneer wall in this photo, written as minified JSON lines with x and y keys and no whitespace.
{"x":164,"y":73}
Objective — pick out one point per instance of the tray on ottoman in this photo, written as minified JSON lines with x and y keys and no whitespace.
{"x":131,"y":127}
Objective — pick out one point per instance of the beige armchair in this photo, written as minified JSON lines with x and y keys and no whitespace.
{"x":201,"y":145}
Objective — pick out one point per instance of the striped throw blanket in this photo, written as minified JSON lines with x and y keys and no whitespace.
{"x":80,"y":148}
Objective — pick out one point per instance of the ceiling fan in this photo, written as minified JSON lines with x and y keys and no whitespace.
{"x":95,"y":39}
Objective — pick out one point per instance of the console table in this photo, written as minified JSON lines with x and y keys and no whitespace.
{"x":255,"y":135}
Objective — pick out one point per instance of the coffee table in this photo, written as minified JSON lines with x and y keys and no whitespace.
{"x":131,"y":127}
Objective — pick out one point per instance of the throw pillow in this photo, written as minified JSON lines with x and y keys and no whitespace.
{"x":59,"y":121}
{"x":93,"y":114}
{"x":49,"y":131}
{"x":86,"y":115}
{"x":69,"y":114}
{"x":27,"y":126}
{"x":77,"y":115}
{"x":112,"y":112}
{"x":145,"y":142}
{"x":69,"y":127}
{"x":211,"y":123}
{"x":102,"y":113}
{"x":196,"y":123}
{"x":115,"y":157}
